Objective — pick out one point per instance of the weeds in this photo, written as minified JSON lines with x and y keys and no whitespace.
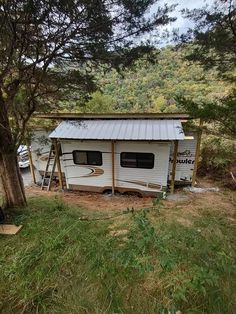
{"x":60,"y":264}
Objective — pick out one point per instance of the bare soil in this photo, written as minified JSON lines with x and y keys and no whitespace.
{"x":223,"y":202}
{"x":96,"y":201}
{"x":179,"y":209}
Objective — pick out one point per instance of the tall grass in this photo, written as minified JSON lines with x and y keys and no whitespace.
{"x":61,"y":264}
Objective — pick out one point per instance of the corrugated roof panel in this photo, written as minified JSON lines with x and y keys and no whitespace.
{"x":136,"y":130}
{"x":129,"y":127}
{"x":156,"y":131}
{"x":142,"y":129}
{"x":149,"y":131}
{"x":121,"y":129}
{"x":104,"y":130}
{"x":166,"y":132}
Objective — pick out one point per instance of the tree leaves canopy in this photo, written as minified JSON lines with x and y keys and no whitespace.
{"x":45,"y":47}
{"x":155,"y":86}
{"x":214,"y":46}
{"x":213,"y":35}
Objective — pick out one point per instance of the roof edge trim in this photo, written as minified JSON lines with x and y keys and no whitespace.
{"x":107,"y":116}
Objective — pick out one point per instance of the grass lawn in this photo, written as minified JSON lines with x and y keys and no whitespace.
{"x":173,"y":257}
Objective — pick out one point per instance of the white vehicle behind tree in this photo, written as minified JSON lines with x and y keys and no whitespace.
{"x":23,"y":156}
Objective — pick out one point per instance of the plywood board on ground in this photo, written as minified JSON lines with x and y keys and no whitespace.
{"x":9,"y":229}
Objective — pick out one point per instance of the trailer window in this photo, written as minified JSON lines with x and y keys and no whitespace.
{"x":137,"y":160}
{"x":82,"y":157}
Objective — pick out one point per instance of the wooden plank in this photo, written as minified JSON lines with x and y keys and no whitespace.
{"x":9,"y":229}
{"x":113,"y":166}
{"x":71,"y":115}
{"x":173,"y":172}
{"x":31,"y":165}
{"x":197,"y":154}
{"x":58,"y":163}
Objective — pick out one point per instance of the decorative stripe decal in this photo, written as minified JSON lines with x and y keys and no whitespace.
{"x":155,"y":186}
{"x":94,"y":171}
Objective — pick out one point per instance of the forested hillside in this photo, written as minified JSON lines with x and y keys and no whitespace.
{"x":154,"y":86}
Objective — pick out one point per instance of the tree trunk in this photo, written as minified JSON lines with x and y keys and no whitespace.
{"x":11,"y":183}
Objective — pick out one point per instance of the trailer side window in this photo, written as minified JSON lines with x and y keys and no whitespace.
{"x":87,"y":157}
{"x":137,"y":160}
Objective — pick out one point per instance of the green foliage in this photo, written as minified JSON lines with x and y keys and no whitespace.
{"x":221,"y":112}
{"x":214,"y":36}
{"x":213,"y":45}
{"x":218,"y":156}
{"x":61,"y":264}
{"x":155,"y":86}
{"x":99,"y":103}
{"x":47,"y":50}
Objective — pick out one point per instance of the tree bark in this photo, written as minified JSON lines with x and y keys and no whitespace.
{"x":11,"y":183}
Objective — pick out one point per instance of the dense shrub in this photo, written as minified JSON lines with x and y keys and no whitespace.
{"x":218,"y":159}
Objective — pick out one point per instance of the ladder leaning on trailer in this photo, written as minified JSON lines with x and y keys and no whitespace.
{"x":50,"y":169}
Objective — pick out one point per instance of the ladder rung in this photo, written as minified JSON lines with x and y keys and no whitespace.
{"x":50,"y":169}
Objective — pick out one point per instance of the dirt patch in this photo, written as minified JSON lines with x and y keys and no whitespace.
{"x":232,"y":221}
{"x":117,"y":233}
{"x":178,"y":197}
{"x":223,"y":202}
{"x":197,"y":204}
{"x":215,"y":201}
{"x":185,"y":222}
{"x":95,"y":201}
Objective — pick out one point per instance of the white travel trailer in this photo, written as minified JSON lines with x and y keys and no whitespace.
{"x":120,"y":153}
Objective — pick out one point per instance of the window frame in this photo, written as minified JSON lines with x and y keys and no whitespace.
{"x":87,"y":151}
{"x":137,"y":166}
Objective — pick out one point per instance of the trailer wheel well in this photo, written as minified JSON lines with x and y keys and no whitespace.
{"x":133,"y":193}
{"x":107,"y":191}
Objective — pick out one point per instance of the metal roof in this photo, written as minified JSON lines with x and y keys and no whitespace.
{"x":138,"y":130}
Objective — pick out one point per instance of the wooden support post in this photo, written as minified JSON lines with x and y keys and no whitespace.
{"x":172,"y":186}
{"x":197,"y":153}
{"x":31,"y":165}
{"x":55,"y":142}
{"x":113,"y":166}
